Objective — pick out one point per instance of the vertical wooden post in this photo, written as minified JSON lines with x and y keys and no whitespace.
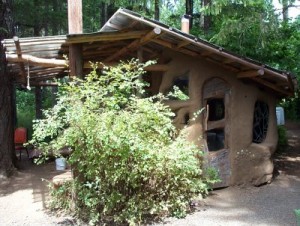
{"x":38,"y":102}
{"x":75,"y":27}
{"x":75,"y":16}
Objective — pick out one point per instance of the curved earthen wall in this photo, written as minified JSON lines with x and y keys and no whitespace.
{"x":249,"y":162}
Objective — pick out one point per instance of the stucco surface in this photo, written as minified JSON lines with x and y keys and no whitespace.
{"x":249,"y":162}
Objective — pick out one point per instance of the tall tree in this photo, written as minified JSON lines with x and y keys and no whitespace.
{"x":7,"y":153}
{"x":156,"y":9}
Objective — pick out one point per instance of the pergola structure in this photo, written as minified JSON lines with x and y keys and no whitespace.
{"x":128,"y":35}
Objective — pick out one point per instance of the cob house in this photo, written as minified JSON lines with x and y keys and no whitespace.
{"x":238,"y":125}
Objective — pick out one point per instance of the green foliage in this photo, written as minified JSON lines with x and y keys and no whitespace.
{"x":291,"y":108}
{"x":128,"y":159}
{"x":61,"y":196}
{"x":178,"y":94}
{"x":25,"y":110}
{"x":282,"y":138}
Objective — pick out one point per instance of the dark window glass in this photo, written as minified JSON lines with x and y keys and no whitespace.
{"x":260,"y":122}
{"x":215,"y":139}
{"x":216,"y":109}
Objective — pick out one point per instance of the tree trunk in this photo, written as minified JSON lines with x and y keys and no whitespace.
{"x":104,"y":13}
{"x":54,"y":21}
{"x":206,"y":18}
{"x":7,"y":152}
{"x":189,"y":7}
{"x":36,"y":26}
{"x":156,"y":10}
{"x":285,"y":10}
{"x":38,"y":102}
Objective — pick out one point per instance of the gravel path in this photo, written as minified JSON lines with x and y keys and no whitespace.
{"x":23,"y":198}
{"x":272,"y":204}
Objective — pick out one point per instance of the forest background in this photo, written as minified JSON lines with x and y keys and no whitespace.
{"x":252,"y":28}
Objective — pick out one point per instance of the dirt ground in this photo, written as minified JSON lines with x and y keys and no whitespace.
{"x":23,"y":197}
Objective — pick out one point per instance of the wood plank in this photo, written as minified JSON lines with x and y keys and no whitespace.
{"x":290,"y":83}
{"x":172,"y":46}
{"x":113,"y":26}
{"x":251,"y":73}
{"x":182,"y":44}
{"x":44,"y":84}
{"x":272,"y":86}
{"x":135,"y":44}
{"x":76,"y":60}
{"x":111,"y":36}
{"x":215,"y":124}
{"x":32,"y":60}
{"x":19,"y":53}
{"x":157,"y":67}
{"x":227,"y":129}
{"x":206,"y":53}
{"x":228,"y":61}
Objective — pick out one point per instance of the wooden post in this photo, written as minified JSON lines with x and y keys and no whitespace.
{"x":75,"y":27}
{"x":75,"y":16}
{"x":38,"y":102}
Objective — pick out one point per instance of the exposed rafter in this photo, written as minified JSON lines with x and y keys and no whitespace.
{"x":111,"y":36}
{"x":135,"y":44}
{"x":251,"y":73}
{"x":36,"y":60}
{"x":272,"y":86}
{"x":19,"y":54}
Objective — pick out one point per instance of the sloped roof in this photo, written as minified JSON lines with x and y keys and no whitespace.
{"x":122,"y":36}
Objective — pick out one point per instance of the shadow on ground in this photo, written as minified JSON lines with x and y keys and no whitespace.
{"x":31,"y":177}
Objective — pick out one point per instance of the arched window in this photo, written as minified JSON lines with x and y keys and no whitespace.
{"x":260,"y":122}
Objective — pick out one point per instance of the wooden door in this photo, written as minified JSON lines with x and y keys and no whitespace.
{"x":216,"y":99}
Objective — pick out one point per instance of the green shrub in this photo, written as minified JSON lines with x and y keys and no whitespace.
{"x":25,"y":110}
{"x":128,"y":159}
{"x":282,"y":138}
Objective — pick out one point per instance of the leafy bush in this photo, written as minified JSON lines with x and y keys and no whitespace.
{"x":128,"y":160}
{"x":282,"y":138}
{"x":25,"y":109}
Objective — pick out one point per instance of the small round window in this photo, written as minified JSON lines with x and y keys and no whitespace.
{"x":260,"y":121}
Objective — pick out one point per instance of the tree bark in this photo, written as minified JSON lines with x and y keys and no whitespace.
{"x":206,"y":18}
{"x":8,"y":159}
{"x":54,"y":21}
{"x":189,"y":7}
{"x":38,"y":102}
{"x":156,"y":10}
{"x":285,"y":10}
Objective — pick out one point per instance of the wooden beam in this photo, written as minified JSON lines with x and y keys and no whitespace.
{"x":154,"y":67}
{"x":215,"y":124}
{"x":76,"y":60}
{"x":228,"y":61}
{"x":113,"y":26}
{"x":172,"y":46}
{"x":111,"y":36}
{"x":290,"y":83}
{"x":182,"y":44}
{"x":135,"y":44}
{"x":272,"y":86}
{"x":157,"y":67}
{"x":43,"y":84}
{"x":251,"y":73}
{"x":19,"y":53}
{"x":36,"y":60}
{"x":206,"y":53}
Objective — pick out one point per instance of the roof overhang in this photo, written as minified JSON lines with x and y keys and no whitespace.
{"x":121,"y":37}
